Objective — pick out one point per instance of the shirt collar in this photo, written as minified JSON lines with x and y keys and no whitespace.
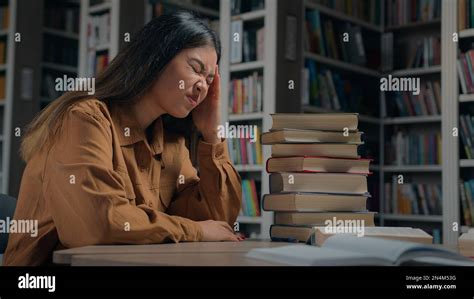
{"x":129,"y":131}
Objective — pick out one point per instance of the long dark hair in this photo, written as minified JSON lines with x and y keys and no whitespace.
{"x":129,"y":75}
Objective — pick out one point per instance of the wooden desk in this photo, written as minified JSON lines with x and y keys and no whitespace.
{"x":180,"y":254}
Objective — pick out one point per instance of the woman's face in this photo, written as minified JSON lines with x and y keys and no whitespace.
{"x":185,"y":81}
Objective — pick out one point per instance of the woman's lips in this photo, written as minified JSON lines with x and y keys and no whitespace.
{"x":192,"y":100}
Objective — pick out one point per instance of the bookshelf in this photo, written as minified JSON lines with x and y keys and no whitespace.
{"x":317,"y":14}
{"x":422,"y":177}
{"x":60,"y":46}
{"x":252,"y":20}
{"x":6,"y":99}
{"x":384,"y":122}
{"x":96,"y":50}
{"x":459,"y":164}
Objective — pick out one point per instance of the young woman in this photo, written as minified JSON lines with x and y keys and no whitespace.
{"x":105,"y":169}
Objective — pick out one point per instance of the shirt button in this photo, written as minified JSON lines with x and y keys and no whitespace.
{"x":150,"y":205}
{"x":218,"y":153}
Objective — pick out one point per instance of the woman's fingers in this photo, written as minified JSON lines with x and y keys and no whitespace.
{"x":227,"y":226}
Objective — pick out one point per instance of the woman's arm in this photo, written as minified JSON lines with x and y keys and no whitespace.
{"x":217,"y":192}
{"x":86,"y":195}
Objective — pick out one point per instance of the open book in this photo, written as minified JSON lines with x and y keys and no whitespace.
{"x":349,"y":250}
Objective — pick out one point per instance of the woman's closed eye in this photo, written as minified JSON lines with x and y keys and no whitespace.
{"x":209,"y":79}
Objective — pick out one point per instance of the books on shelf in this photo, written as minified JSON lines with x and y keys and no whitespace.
{"x":312,"y":182}
{"x":428,"y":102}
{"x":387,"y":52}
{"x":166,"y":7}
{"x":244,"y":152}
{"x":246,"y":94}
{"x":250,"y":201}
{"x":465,"y":69}
{"x":402,"y":12}
{"x":466,"y":190}
{"x":412,"y":198}
{"x":326,"y":38}
{"x":98,"y":30}
{"x":60,"y":50}
{"x":423,"y":52}
{"x":2,"y":86}
{"x":466,"y":123}
{"x":331,"y":90}
{"x":414,"y":148}
{"x":367,"y":10}
{"x":349,"y":250}
{"x":4,"y":16}
{"x":247,"y":44}
{"x":408,"y":234}
{"x":64,"y":18}
{"x":3,"y":51}
{"x":97,"y":62}
{"x":465,"y":14}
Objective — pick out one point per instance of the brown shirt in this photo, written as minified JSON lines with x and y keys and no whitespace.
{"x":102,"y":182}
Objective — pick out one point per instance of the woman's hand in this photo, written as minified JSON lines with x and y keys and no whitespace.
{"x":207,"y":116}
{"x":217,"y":231}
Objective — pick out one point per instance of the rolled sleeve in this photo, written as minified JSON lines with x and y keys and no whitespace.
{"x":216,"y":193}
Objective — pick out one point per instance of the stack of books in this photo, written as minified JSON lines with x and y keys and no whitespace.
{"x":317,"y":177}
{"x":466,"y":244}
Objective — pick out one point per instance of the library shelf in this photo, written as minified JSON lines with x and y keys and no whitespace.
{"x":466,"y":98}
{"x":412,"y":168}
{"x":467,"y":33}
{"x":247,"y":66}
{"x":342,"y":65}
{"x":417,"y":71}
{"x":249,"y":168}
{"x":466,"y":163}
{"x":412,"y":217}
{"x":59,"y":67}
{"x":61,"y":33}
{"x":413,"y":25}
{"x":343,"y":17}
{"x":250,"y":16}
{"x":412,"y":119}
{"x":98,"y":8}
